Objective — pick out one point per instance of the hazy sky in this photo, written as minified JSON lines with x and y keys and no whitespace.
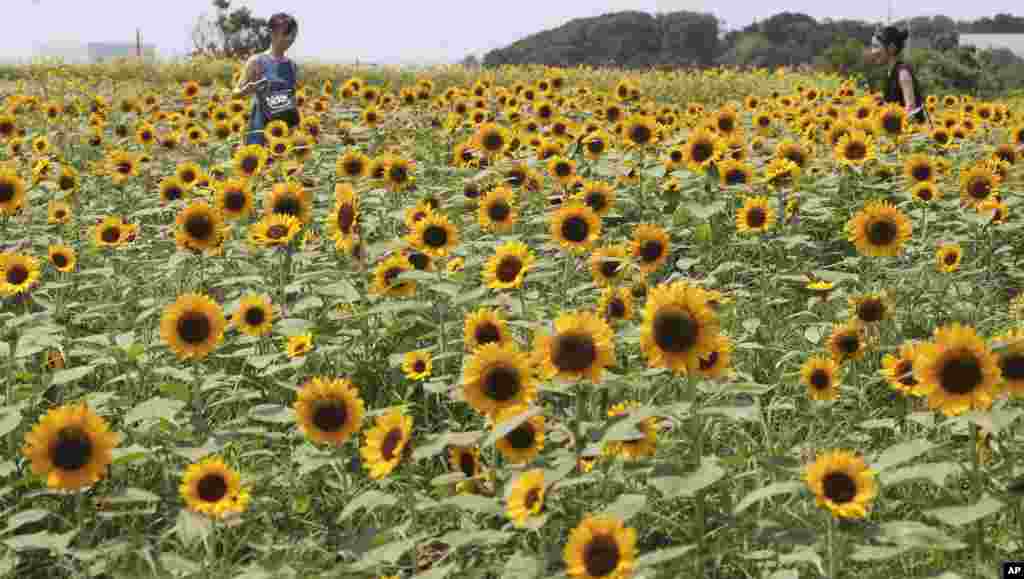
{"x":400,"y":31}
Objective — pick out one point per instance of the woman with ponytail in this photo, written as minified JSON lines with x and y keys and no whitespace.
{"x":901,"y":84}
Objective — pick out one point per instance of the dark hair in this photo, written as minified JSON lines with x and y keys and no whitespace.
{"x":282,"y":19}
{"x":892,"y":36}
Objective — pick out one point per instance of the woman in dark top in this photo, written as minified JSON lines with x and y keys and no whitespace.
{"x":901,"y":85}
{"x":270,"y":74}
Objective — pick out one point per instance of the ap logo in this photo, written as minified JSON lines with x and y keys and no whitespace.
{"x":1013,"y":570}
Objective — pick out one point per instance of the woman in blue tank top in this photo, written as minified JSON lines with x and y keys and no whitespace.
{"x":267,"y":72}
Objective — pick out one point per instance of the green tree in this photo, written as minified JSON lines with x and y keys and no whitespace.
{"x":231,"y":33}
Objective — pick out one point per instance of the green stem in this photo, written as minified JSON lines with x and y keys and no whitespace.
{"x":697,"y":435}
{"x":833,"y":560}
{"x":976,"y":492}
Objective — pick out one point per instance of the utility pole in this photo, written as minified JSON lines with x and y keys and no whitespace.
{"x":138,"y":43}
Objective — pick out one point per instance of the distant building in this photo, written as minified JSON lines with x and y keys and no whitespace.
{"x":101,"y":51}
{"x":70,"y":51}
{"x":1012,"y":42}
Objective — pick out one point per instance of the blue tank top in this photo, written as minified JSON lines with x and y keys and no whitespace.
{"x":280,"y":74}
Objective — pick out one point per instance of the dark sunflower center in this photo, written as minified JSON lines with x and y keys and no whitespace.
{"x":575,"y":229}
{"x":675,"y":331}
{"x":756,"y":217}
{"x":905,"y":373}
{"x":892,"y":123}
{"x":651,"y":251}
{"x":921,"y":173}
{"x":616,"y":308}
{"x":435,"y":236}
{"x":949,"y":258}
{"x":212,"y":488}
{"x":795,"y":156}
{"x":17,"y":274}
{"x":532,"y":498}
{"x":199,"y":227}
{"x":499,"y":211}
{"x":486,"y":333}
{"x":882,"y":232}
{"x":979,"y":188}
{"x":354,"y":167}
{"x":194,"y":328}
{"x":493,"y":142}
{"x":856,"y":151}
{"x":288,"y":205}
{"x":515,"y":177}
{"x":110,"y":234}
{"x":563,"y":169}
{"x":924,"y":194}
{"x":522,"y":437}
{"x":467,"y":464}
{"x":641,"y":134}
{"x":595,"y":146}
{"x":848,"y":344}
{"x":502,"y":383}
{"x":6,"y":191}
{"x":72,"y":449}
{"x":60,"y":260}
{"x":596,"y":200}
{"x":398,"y":173}
{"x":708,"y":363}
{"x":419,"y":366}
{"x":941,"y":137}
{"x":509,"y":268}
{"x":391,"y":274}
{"x":249,"y":165}
{"x":701,"y":151}
{"x":277,"y":231}
{"x":726,"y":124}
{"x":601,"y":556}
{"x":735,"y":177}
{"x":1012,"y":365}
{"x":419,"y":260}
{"x":871,"y":310}
{"x":390,"y":444}
{"x":820,"y":379}
{"x":66,"y":183}
{"x":254,"y":316}
{"x":574,"y":352}
{"x":961,"y":375}
{"x":839,"y":487}
{"x":124,"y":167}
{"x":676,"y":156}
{"x":610,"y":268}
{"x":234,"y":200}
{"x":330,"y":416}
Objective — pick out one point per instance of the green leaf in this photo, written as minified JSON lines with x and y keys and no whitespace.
{"x":627,"y":506}
{"x":520,"y":566}
{"x":43,"y":540}
{"x":803,"y":555}
{"x":24,"y":518}
{"x":918,"y":535}
{"x":178,"y":565}
{"x":133,"y":495}
{"x":386,"y":554}
{"x":662,"y":556}
{"x":272,"y":413}
{"x":873,"y":553}
{"x":191,"y":527}
{"x":340,"y":289}
{"x":901,"y":453}
{"x":771,"y":490}
{"x":154,"y":409}
{"x":10,"y":418}
{"x":965,"y":515}
{"x":369,"y":500}
{"x":70,"y":375}
{"x":935,"y":472}
{"x":706,"y":475}
{"x":750,"y":413}
{"x":475,"y":503}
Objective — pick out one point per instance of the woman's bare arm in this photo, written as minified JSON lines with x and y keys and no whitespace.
{"x":907,"y":84}
{"x":252,"y":74}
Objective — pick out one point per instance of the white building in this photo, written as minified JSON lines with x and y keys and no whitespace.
{"x":1013,"y":42}
{"x":75,"y":52}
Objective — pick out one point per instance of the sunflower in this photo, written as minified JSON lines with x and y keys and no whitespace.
{"x":172,"y":189}
{"x":679,"y":327}
{"x":891,"y":120}
{"x":274,"y":230}
{"x":289,"y":198}
{"x":581,"y":347}
{"x":212,"y":488}
{"x":919,"y":168}
{"x":329,"y":411}
{"x":854,"y":149}
{"x":575,"y":226}
{"x":794,"y":151}
{"x":19,"y":273}
{"x":385,"y":443}
{"x":71,"y":446}
{"x":508,"y":266}
{"x":526,"y":496}
{"x":385,"y":283}
{"x":978,"y":184}
{"x":781,"y":172}
{"x":948,"y":257}
{"x":732,"y":173}
{"x":880,"y":229}
{"x":416,"y":213}
{"x":926,"y":191}
{"x":596,"y":144}
{"x":847,"y":341}
{"x":639,"y":131}
{"x":485,"y":326}
{"x":435,"y":235}
{"x":492,"y":139}
{"x":299,"y":345}
{"x":702,"y":149}
{"x":899,"y":370}
{"x":957,"y":371}
{"x":250,"y":160}
{"x":1011,"y":360}
{"x":58,"y":212}
{"x":819,"y":374}
{"x":497,"y":376}
{"x":599,"y":196}
{"x":871,"y":308}
{"x":122,"y":165}
{"x":192,"y":326}
{"x":465,"y":459}
{"x":524,"y":442}
{"x":608,"y":264}
{"x":601,"y":547}
{"x":255,"y":315}
{"x":397,"y":173}
{"x":650,"y":247}
{"x":12,"y":191}
{"x":233,"y":198}
{"x":756,"y":215}
{"x":41,"y":145}
{"x":199,"y":227}
{"x":68,"y":181}
{"x":276,"y":130}
{"x":497,"y":211}
{"x":645,"y":445}
{"x":63,"y":258}
{"x":113,"y":232}
{"x":417,"y":365}
{"x":616,"y":304}
{"x":352,"y":165}
{"x":842,"y":483}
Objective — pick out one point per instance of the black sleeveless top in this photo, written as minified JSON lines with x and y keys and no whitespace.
{"x":893,"y":93}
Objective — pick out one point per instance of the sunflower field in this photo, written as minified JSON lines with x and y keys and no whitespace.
{"x":513,"y":323}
